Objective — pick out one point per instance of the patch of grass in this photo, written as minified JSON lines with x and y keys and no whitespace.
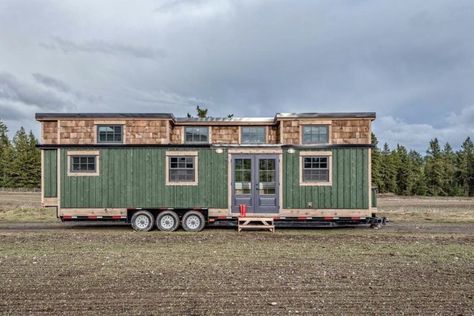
{"x":28,"y":215}
{"x":427,"y":209}
{"x":24,"y":207}
{"x":428,"y":214}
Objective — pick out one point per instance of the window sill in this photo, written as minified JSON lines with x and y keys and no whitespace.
{"x":83,"y":174}
{"x":316,"y":184}
{"x":195,"y":183}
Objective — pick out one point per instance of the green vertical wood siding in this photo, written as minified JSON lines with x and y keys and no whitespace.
{"x":135,"y":177}
{"x":349,"y":188}
{"x":50,"y":175}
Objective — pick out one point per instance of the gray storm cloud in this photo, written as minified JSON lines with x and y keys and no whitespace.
{"x":103,"y":47}
{"x":411,"y":62}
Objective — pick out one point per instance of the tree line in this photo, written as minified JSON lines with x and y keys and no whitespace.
{"x":441,"y":172}
{"x":20,"y":160}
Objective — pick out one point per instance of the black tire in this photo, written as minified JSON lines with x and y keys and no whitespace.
{"x":193,"y":221}
{"x":143,"y":221}
{"x":167,"y":221}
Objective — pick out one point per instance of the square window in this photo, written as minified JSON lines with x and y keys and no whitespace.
{"x":315,"y":134}
{"x":109,"y":133}
{"x":182,"y":169}
{"x":315,"y":169}
{"x":196,"y":135}
{"x":252,"y":135}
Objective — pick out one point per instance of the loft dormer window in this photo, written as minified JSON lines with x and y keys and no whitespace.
{"x":196,"y":135}
{"x":253,"y":135}
{"x":110,"y":134}
{"x":315,"y":134}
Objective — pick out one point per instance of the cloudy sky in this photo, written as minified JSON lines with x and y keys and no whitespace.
{"x":412,"y":62}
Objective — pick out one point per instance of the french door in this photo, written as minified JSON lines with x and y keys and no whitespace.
{"x":255,"y":182}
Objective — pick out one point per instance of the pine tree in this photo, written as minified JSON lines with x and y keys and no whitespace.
{"x":465,"y":167}
{"x":5,"y":155}
{"x":376,"y":163}
{"x":434,"y":169}
{"x":34,"y":166}
{"x":387,"y":171}
{"x":22,"y":158}
{"x":450,"y":186}
{"x":417,"y":164}
{"x":403,"y":175}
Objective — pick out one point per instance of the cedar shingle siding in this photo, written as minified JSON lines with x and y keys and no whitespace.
{"x":168,"y":131}
{"x":225,"y":135}
{"x":76,"y":132}
{"x":50,"y":132}
{"x":146,"y":132}
{"x":351,"y":132}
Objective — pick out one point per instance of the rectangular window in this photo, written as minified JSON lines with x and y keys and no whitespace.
{"x":252,"y":135}
{"x":196,"y":135}
{"x":315,"y":169}
{"x":83,"y":164}
{"x":182,"y":169}
{"x":109,"y":133}
{"x":315,"y":134}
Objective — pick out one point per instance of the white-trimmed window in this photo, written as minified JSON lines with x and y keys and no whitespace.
{"x":181,"y":168}
{"x":315,"y":168}
{"x":83,"y":163}
{"x":253,"y":135}
{"x":110,"y":134}
{"x":315,"y":134}
{"x":196,"y":135}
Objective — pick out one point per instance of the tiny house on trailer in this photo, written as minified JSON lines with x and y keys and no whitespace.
{"x":157,"y":170}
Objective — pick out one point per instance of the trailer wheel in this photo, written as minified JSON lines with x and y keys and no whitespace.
{"x":167,"y":221}
{"x":142,"y":221}
{"x":193,"y":221}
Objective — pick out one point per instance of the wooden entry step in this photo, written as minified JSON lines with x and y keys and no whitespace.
{"x":256,"y":223}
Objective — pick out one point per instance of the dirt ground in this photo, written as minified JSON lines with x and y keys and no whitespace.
{"x":408,"y":267}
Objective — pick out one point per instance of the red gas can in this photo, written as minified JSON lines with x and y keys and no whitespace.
{"x":243,"y":210}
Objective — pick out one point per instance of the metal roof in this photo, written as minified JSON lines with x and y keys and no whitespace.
{"x":225,"y":120}
{"x":215,"y":120}
{"x":327,"y":115}
{"x":46,"y":116}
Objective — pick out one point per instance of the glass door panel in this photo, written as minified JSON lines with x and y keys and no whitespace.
{"x":266,"y":176}
{"x":243,"y":176}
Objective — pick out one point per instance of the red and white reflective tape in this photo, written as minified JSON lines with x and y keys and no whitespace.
{"x":92,"y":217}
{"x":302,"y":218}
